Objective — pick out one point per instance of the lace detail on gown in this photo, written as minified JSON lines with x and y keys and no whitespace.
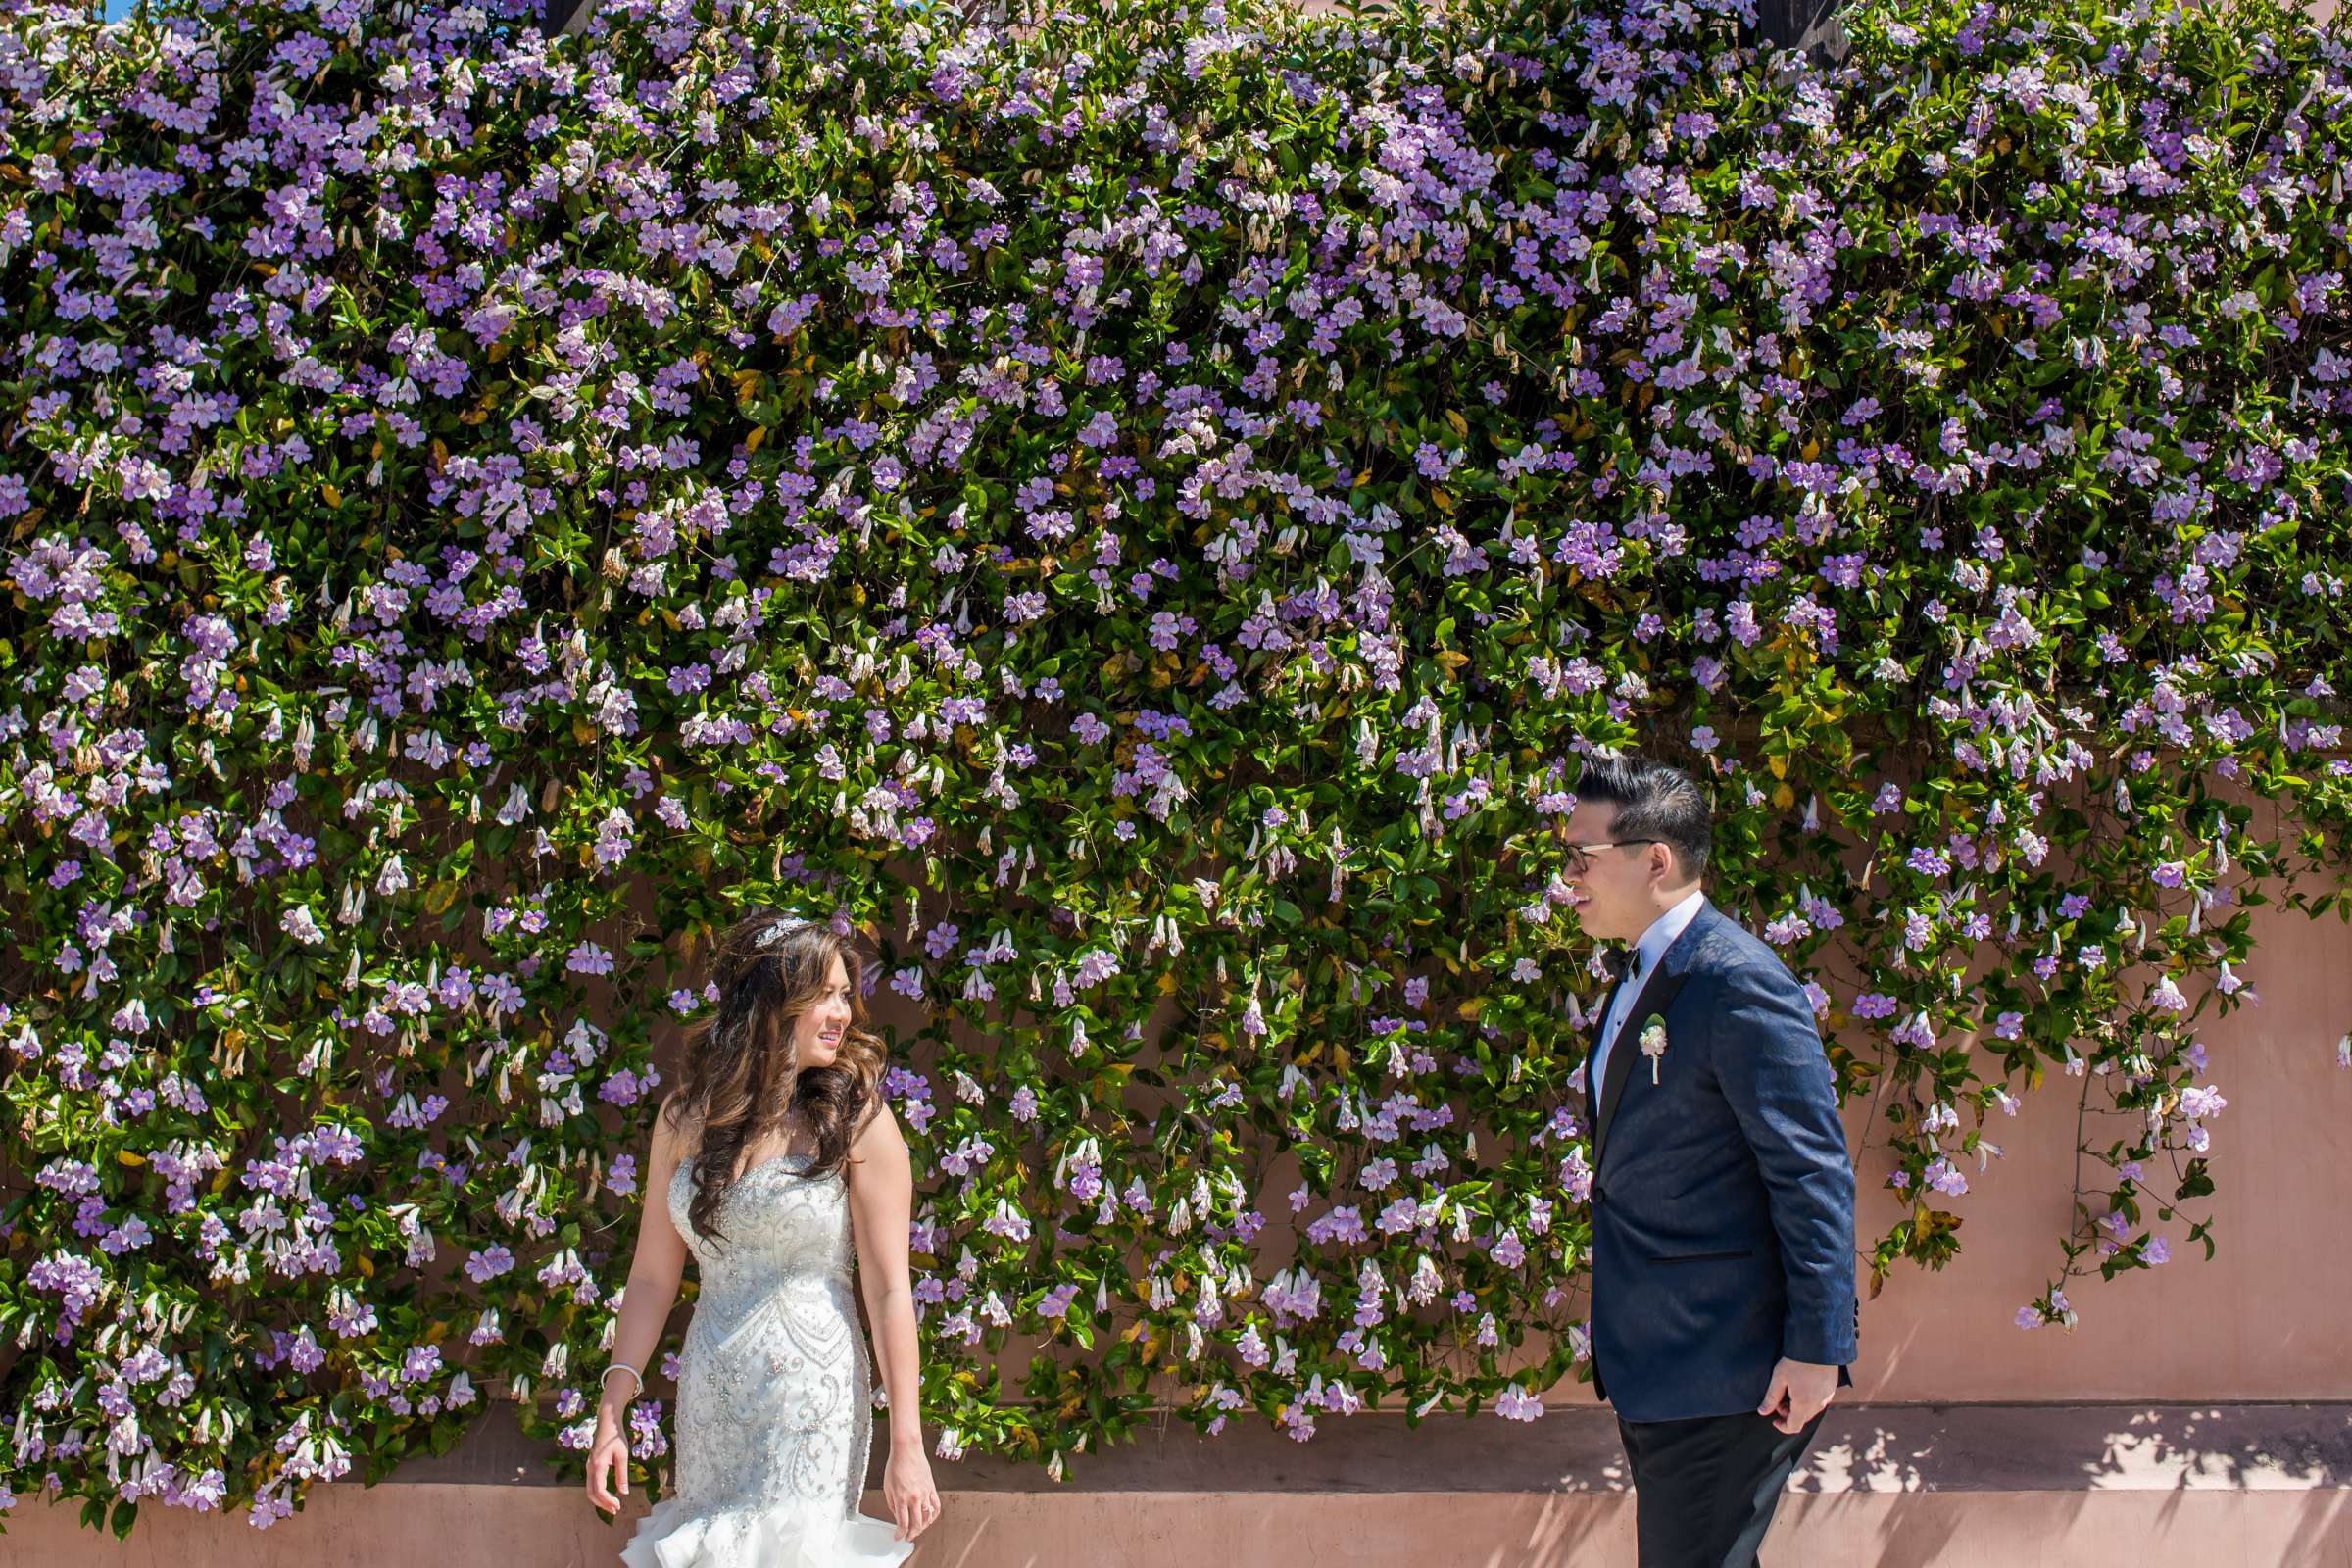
{"x":775,"y":1420}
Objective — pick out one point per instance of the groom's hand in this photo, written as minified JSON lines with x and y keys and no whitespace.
{"x":1800,"y":1392}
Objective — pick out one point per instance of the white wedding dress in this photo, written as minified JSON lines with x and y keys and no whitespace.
{"x":775,"y":1416}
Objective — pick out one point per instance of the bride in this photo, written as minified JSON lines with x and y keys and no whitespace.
{"x":777,"y":1148}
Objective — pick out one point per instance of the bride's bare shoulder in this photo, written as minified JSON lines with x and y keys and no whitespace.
{"x":876,"y":1130}
{"x":675,"y":1125}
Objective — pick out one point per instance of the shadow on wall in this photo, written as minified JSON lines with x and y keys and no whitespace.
{"x":2081,"y":1448}
{"x":2064,"y":1530}
{"x":2068,"y":1473}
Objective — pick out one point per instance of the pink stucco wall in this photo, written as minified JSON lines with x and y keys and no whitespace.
{"x":2263,"y":1320}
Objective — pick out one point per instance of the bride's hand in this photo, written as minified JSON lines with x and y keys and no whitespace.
{"x":907,"y":1487}
{"x":611,"y":1450}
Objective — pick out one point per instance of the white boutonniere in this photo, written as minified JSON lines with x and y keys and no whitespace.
{"x":1653,"y":1043}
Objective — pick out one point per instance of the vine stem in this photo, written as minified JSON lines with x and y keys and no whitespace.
{"x":2078,"y":1223}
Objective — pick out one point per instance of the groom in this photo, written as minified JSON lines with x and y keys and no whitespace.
{"x":1723,"y":1203}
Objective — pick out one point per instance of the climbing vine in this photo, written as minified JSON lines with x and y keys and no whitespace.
{"x":1140,"y":518}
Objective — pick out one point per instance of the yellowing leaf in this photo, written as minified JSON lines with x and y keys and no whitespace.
{"x":333,"y":496}
{"x":751,"y":443}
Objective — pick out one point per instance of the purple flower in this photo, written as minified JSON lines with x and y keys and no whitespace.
{"x":1515,"y":1404}
{"x":486,"y":1265}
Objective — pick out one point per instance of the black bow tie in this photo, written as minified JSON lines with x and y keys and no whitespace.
{"x":1620,"y":961}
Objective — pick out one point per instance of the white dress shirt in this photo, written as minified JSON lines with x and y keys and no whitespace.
{"x":1648,"y":952}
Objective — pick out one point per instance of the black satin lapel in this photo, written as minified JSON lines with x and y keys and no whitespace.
{"x":1592,"y":1045}
{"x":1657,"y":994}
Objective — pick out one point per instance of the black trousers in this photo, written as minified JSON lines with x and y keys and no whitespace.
{"x":1704,"y":1489}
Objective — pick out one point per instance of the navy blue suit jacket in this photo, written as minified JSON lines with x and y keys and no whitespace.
{"x":1722,"y":1201}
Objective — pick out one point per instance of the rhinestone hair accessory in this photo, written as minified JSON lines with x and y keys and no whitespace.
{"x":776,"y":932}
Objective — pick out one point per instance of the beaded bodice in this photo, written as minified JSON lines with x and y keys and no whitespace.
{"x":773,"y":1396}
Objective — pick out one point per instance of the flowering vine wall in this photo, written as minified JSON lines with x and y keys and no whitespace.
{"x":1139,"y":518}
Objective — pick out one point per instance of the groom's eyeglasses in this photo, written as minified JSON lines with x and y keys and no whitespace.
{"x":1578,"y":854}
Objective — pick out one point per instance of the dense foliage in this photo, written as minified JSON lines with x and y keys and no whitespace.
{"x":1140,"y":516}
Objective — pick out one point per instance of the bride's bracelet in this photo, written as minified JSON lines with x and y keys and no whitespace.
{"x":623,"y":1366}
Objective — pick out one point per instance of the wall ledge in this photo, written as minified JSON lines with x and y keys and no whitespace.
{"x":2249,"y":1446}
{"x":1979,"y":1486}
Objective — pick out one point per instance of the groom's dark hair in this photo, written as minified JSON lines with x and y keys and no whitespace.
{"x":1654,"y":801}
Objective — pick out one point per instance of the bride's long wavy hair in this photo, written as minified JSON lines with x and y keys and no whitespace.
{"x":740,"y":1076}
